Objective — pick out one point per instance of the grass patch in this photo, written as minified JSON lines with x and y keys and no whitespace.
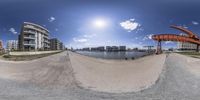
{"x":195,"y":56}
{"x":1,"y":54}
{"x":189,"y":53}
{"x":27,"y":57}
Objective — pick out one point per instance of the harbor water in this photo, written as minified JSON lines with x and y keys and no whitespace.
{"x":114,"y":55}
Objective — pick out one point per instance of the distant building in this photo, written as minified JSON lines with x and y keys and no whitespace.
{"x":129,"y":49}
{"x":135,"y":49}
{"x":12,"y":45}
{"x":86,"y":49}
{"x":108,"y":48}
{"x":55,"y":44}
{"x":72,"y":49}
{"x":122,"y":48}
{"x":1,"y":45}
{"x":101,"y":48}
{"x":33,"y":37}
{"x":115,"y":48}
{"x":62,"y":47}
{"x":93,"y":49}
{"x":186,"y":46}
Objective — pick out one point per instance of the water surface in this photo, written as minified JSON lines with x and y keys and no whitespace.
{"x":113,"y":55}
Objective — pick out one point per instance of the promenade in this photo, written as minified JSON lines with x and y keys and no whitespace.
{"x":70,"y":76}
{"x":116,"y":76}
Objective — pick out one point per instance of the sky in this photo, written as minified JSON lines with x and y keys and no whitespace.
{"x":90,"y":23}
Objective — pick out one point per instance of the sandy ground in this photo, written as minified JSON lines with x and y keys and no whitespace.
{"x":117,"y":76}
{"x":52,"y":78}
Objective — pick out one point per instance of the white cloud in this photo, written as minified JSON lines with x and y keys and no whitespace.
{"x":132,"y":19}
{"x":168,"y":42}
{"x":51,"y":19}
{"x":84,"y":40}
{"x":140,"y":42}
{"x":145,"y":38}
{"x":129,"y":25}
{"x":195,"y":23}
{"x":13,"y":30}
{"x":89,"y":35}
{"x":184,"y":26}
{"x":148,"y":37}
{"x":81,"y":40}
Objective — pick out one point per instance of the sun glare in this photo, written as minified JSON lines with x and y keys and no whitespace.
{"x":99,"y":23}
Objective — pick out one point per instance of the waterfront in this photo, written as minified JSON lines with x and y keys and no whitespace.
{"x":114,"y":55}
{"x":76,"y":77}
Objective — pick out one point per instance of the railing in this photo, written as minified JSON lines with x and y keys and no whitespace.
{"x":32,"y":32}
{"x":29,"y":37}
{"x":37,"y":29}
{"x":29,"y":43}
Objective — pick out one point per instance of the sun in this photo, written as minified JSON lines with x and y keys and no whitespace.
{"x":99,"y":23}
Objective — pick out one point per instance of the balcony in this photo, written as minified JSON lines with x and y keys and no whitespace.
{"x":45,"y":37}
{"x":46,"y":41}
{"x":30,"y":32}
{"x":47,"y":46}
{"x":29,"y":37}
{"x":32,"y":43}
{"x":37,"y":29}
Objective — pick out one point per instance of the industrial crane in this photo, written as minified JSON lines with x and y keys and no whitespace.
{"x":190,"y":37}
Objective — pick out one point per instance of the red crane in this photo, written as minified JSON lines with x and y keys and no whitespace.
{"x":191,"y":38}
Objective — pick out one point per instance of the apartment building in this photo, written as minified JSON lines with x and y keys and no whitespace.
{"x":1,"y":45}
{"x":122,"y":48}
{"x":86,"y":49}
{"x":12,"y":45}
{"x":33,"y":37}
{"x":62,"y":47}
{"x":186,"y":45}
{"x":115,"y":48}
{"x":54,"y":44}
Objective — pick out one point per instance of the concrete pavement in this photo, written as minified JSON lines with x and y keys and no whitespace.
{"x":52,"y":78}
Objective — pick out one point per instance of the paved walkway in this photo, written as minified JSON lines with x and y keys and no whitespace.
{"x":51,"y":78}
{"x":117,"y":76}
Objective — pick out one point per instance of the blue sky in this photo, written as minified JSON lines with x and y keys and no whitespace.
{"x":125,"y":22}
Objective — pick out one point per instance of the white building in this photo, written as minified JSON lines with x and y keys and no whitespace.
{"x":33,"y":37}
{"x":1,"y":46}
{"x":12,"y":45}
{"x":186,"y":45}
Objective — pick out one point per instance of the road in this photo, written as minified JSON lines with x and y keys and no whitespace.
{"x":52,"y":78}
